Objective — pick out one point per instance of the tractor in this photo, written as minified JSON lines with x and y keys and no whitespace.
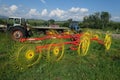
{"x":18,"y":28}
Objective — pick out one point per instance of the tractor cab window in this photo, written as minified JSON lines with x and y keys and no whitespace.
{"x":17,"y":21}
{"x":10,"y":22}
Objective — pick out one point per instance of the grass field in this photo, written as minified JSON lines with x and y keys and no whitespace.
{"x":98,"y":64}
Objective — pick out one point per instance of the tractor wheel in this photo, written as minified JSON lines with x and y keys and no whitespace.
{"x":83,"y":45}
{"x":17,"y":33}
{"x":29,"y":33}
{"x":107,"y":41}
{"x":27,"y":56}
{"x":55,"y":52}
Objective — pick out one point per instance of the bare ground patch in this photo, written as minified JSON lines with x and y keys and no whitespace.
{"x":116,"y":36}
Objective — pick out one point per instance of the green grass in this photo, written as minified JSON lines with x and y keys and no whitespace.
{"x":98,"y":64}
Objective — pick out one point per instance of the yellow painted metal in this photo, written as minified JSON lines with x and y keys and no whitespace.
{"x":27,"y":56}
{"x":107,"y":41}
{"x":55,"y":53}
{"x":83,"y":45}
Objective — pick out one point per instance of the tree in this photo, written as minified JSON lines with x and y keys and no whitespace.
{"x":51,"y":21}
{"x":97,"y":20}
{"x":45,"y":23}
{"x":2,"y":21}
{"x":105,"y":17}
{"x":70,"y":20}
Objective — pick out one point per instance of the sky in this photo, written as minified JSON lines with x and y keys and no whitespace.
{"x":59,"y":9}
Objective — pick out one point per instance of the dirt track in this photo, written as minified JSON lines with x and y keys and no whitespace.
{"x":116,"y":36}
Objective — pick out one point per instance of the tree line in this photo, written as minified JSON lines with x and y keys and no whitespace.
{"x":98,"y":20}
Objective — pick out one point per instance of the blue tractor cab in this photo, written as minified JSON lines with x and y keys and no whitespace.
{"x":74,"y":26}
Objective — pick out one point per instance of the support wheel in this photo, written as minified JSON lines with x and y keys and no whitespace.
{"x":27,"y":55}
{"x":83,"y":45}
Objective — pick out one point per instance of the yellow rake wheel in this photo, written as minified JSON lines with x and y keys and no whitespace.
{"x":83,"y":45}
{"x":55,"y":52}
{"x":88,"y":33}
{"x":107,"y":41}
{"x":27,"y":56}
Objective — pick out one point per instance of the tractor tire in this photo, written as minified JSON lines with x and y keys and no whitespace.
{"x":17,"y":33}
{"x":29,"y":33}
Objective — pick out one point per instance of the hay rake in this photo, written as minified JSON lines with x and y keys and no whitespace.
{"x":30,"y":53}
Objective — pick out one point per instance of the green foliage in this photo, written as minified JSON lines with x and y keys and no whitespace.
{"x":105,"y":17}
{"x":66,"y":24}
{"x":97,"y":20}
{"x":100,"y":21}
{"x":34,"y":22}
{"x":51,"y":21}
{"x":2,"y":21}
{"x":114,"y":25}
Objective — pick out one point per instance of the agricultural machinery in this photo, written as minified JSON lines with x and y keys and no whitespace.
{"x":18,"y":28}
{"x":33,"y":49}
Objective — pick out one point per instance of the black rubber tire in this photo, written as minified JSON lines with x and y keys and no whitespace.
{"x":17,"y":33}
{"x":29,"y":33}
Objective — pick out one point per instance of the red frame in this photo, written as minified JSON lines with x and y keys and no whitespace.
{"x":74,"y":43}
